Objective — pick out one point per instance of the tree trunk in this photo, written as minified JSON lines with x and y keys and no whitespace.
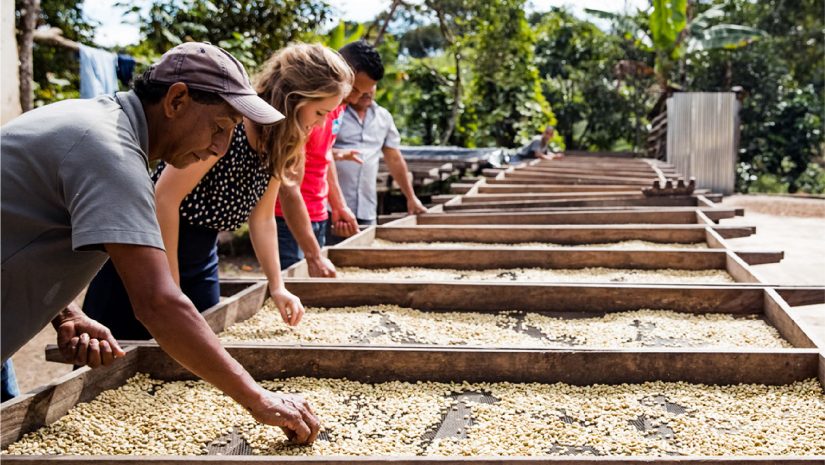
{"x":728,"y":71}
{"x":31,"y":13}
{"x":456,"y":101}
{"x":383,"y":29}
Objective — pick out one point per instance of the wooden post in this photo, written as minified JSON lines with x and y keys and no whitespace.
{"x":30,"y":13}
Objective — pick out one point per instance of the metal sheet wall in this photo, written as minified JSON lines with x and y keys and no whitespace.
{"x":702,"y":130}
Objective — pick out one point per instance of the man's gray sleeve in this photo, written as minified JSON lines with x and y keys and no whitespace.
{"x":393,"y":138}
{"x":109,"y":195}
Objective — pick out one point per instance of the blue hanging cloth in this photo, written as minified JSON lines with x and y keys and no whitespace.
{"x":98,"y":72}
{"x":125,"y":68}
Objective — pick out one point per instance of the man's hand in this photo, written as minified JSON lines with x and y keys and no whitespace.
{"x":414,"y":206}
{"x":84,"y":341}
{"x":289,"y":411}
{"x":320,"y":267}
{"x":288,"y":304}
{"x":344,"y":223}
{"x":347,"y":155}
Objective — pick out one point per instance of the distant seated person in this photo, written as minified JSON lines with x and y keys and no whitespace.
{"x":538,"y":147}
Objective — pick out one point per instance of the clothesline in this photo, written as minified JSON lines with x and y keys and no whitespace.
{"x":55,"y":36}
{"x":100,"y":70}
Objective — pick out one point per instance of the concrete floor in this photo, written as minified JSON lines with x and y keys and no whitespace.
{"x":802,"y":239}
{"x":796,"y":226}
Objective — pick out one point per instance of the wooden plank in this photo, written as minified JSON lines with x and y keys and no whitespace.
{"x":238,"y":307}
{"x":48,"y":403}
{"x":822,"y":370}
{"x":363,"y":238}
{"x":586,"y":171}
{"x":605,"y":201}
{"x":732,"y":232}
{"x":494,"y":297}
{"x":651,"y":216}
{"x":493,"y":186}
{"x":779,"y":315}
{"x":563,"y":234}
{"x":713,"y":238}
{"x":573,"y":179}
{"x":486,"y":198}
{"x":441,"y":198}
{"x":804,"y":295}
{"x":703,"y":201}
{"x":406,"y":220}
{"x":407,"y":460}
{"x":460,"y":187}
{"x":760,"y":257}
{"x":504,"y":257}
{"x":455,"y":364}
{"x":739,"y":270}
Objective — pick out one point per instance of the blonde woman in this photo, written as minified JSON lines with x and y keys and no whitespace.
{"x":303,"y":81}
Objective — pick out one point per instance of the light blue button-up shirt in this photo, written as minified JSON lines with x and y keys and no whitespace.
{"x":358,"y":182}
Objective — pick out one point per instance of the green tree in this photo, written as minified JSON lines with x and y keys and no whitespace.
{"x":595,"y":109}
{"x":781,"y":145}
{"x":507,"y":102}
{"x":250,"y":29}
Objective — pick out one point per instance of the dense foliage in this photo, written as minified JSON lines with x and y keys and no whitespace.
{"x":482,"y":73}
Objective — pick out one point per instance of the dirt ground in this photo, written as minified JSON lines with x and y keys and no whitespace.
{"x":796,"y":226}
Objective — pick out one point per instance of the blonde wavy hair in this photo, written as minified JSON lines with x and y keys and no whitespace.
{"x":291,"y":78}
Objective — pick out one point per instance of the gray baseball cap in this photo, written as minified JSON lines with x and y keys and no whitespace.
{"x":203,"y":66}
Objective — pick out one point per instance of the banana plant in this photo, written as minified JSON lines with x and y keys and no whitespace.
{"x":703,"y":36}
{"x":338,"y":36}
{"x":673,"y":36}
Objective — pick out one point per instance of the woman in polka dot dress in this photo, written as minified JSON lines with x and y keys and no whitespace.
{"x":304,"y":82}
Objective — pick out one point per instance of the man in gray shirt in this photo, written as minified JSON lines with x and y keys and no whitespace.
{"x":369,"y":130}
{"x":538,"y":147}
{"x":76,"y":189}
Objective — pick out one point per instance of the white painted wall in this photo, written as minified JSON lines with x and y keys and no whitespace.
{"x":9,"y":80}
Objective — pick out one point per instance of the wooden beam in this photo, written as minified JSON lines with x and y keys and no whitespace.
{"x":740,"y":270}
{"x":505,"y":257}
{"x":492,"y":186}
{"x":589,"y":171}
{"x":452,"y":364}
{"x":460,"y":188}
{"x":713,"y":238}
{"x":408,"y":460}
{"x":779,"y":315}
{"x":494,"y":297}
{"x":760,"y":257}
{"x":732,"y":232}
{"x":605,"y":201}
{"x":503,"y":197}
{"x":563,"y":234}
{"x":574,"y":179}
{"x":674,"y":215}
{"x":558,"y":234}
{"x":802,"y":295}
{"x":238,"y":307}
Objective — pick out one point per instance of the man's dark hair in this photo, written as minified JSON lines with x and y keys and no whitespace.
{"x":362,"y":56}
{"x":152,"y":92}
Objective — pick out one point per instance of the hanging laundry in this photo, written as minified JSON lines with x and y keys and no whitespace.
{"x":125,"y":68}
{"x":98,"y":73}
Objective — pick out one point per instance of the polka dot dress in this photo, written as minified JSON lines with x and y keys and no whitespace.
{"x":226,"y":195}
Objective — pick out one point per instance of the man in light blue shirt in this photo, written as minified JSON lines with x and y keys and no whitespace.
{"x":369,"y":129}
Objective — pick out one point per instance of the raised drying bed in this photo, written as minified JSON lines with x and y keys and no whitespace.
{"x":583,"y":265}
{"x":639,"y":405}
{"x":605,"y":215}
{"x":548,"y":236}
